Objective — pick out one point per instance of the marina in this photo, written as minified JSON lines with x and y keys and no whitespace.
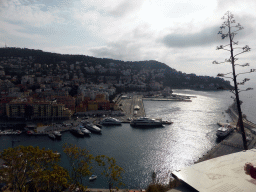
{"x":133,"y":108}
{"x":141,"y":151}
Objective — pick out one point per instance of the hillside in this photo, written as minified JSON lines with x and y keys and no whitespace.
{"x":122,"y":72}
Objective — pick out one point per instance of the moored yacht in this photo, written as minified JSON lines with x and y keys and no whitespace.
{"x":146,"y":122}
{"x":110,"y":121}
{"x":93,"y":128}
{"x":57,"y":134}
{"x":84,"y":130}
{"x":224,"y":131}
{"x":76,"y":131}
{"x":52,"y":136}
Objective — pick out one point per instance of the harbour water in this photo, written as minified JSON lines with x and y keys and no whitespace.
{"x":142,"y":151}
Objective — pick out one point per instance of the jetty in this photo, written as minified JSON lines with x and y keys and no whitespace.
{"x":132,"y":107}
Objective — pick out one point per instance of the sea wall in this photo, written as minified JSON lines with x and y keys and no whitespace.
{"x":232,"y":110}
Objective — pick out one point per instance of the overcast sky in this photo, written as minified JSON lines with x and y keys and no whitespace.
{"x":179,"y":33}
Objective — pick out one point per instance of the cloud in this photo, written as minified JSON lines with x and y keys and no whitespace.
{"x":18,"y":31}
{"x":237,"y":6}
{"x":208,"y":36}
{"x":126,"y":7}
{"x":122,"y":50}
{"x":205,"y":37}
{"x":129,"y":50}
{"x":116,"y":8}
{"x":27,"y":12}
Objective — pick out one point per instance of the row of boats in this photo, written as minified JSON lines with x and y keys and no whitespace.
{"x":85,"y":128}
{"x":55,"y":135}
{"x":10,"y":132}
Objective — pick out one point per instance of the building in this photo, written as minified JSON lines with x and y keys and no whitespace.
{"x":29,"y":109}
{"x":92,"y":105}
{"x":68,"y":101}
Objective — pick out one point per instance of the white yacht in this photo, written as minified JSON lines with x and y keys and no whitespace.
{"x":52,"y":136}
{"x":224,"y":131}
{"x":57,"y":134}
{"x":76,"y":131}
{"x":110,"y":121}
{"x":93,"y":128}
{"x":84,"y":130}
{"x":146,"y":122}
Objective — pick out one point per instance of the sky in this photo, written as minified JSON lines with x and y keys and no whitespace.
{"x":179,"y":33}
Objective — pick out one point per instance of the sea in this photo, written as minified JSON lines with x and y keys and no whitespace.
{"x":140,"y":152}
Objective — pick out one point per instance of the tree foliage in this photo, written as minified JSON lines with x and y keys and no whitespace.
{"x":29,"y":168}
{"x":80,"y":164}
{"x":110,"y":170}
{"x":55,"y":179}
{"x":26,"y":165}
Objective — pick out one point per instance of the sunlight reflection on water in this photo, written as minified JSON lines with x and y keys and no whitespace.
{"x":193,"y":132}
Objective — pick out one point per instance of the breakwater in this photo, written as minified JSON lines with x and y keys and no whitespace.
{"x":232,"y":110}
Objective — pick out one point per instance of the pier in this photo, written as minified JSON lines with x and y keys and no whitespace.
{"x":127,"y":106}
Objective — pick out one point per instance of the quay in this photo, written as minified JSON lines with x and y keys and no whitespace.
{"x":130,"y":108}
{"x":127,"y":106}
{"x":133,"y":107}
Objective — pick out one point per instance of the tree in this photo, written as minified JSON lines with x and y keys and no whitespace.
{"x":110,"y":170}
{"x":26,"y":165}
{"x":229,"y":29}
{"x":80,"y":165}
{"x":55,"y":179}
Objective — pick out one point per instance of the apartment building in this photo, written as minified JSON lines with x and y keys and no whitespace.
{"x":24,"y":109}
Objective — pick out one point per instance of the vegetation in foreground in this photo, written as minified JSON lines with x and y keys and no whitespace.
{"x":28,"y":168}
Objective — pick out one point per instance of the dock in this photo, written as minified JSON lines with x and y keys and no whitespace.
{"x":127,"y":106}
{"x":134,"y":108}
